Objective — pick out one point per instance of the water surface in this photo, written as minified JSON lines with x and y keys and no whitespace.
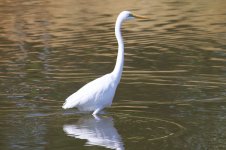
{"x":172,"y":93}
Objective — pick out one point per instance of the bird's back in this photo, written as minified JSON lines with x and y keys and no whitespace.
{"x":95,"y":94}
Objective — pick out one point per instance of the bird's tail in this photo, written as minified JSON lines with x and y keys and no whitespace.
{"x":69,"y":103}
{"x":65,"y":106}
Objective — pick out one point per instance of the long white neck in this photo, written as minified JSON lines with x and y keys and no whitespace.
{"x":117,"y":72}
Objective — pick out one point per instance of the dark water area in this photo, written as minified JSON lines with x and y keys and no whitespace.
{"x":172,"y":93}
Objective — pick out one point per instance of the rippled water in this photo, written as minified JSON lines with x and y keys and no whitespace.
{"x":173,"y":90}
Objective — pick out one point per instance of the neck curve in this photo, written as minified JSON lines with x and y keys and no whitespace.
{"x":117,"y":72}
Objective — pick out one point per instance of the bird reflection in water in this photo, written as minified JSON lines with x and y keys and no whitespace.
{"x":97,"y":131}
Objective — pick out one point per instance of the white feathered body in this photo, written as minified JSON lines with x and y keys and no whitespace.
{"x":96,"y":94}
{"x":99,"y":93}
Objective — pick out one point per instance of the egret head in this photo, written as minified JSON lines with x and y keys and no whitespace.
{"x":127,"y":15}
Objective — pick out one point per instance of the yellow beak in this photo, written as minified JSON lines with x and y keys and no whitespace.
{"x":140,"y":17}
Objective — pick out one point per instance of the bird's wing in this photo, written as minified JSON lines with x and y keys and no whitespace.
{"x":89,"y":92}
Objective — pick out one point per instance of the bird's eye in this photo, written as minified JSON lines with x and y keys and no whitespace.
{"x":131,"y":15}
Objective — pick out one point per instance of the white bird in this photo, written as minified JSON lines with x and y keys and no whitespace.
{"x":99,"y":93}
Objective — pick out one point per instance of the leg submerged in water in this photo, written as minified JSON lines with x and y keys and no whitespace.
{"x":96,"y":111}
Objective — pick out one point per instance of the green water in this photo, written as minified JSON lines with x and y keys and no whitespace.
{"x":172,"y":93}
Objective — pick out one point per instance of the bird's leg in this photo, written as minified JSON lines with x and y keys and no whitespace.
{"x":96,"y":111}
{"x":95,"y":114}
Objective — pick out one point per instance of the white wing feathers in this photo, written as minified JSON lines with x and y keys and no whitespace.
{"x":94,"y":94}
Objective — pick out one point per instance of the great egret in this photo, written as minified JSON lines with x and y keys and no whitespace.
{"x":99,"y":93}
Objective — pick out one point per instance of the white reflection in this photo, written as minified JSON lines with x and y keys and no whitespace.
{"x":97,"y":131}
